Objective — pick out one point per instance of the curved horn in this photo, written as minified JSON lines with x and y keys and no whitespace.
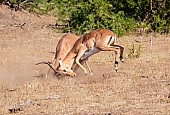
{"x":50,"y":64}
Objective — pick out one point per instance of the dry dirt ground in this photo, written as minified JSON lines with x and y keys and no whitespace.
{"x":141,"y":86}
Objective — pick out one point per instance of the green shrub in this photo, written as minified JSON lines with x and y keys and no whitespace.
{"x":120,"y":16}
{"x":94,"y":14}
{"x":134,"y":51}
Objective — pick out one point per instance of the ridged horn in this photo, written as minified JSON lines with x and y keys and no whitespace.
{"x":50,"y":64}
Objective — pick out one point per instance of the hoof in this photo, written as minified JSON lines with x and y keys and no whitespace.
{"x":122,"y":60}
{"x":85,"y":72}
{"x":91,"y":74}
{"x":116,"y":68}
{"x":74,"y":75}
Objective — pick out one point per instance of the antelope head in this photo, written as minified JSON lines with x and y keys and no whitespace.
{"x":65,"y":70}
{"x":61,"y":70}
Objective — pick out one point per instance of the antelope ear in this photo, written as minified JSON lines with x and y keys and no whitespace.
{"x":60,"y":62}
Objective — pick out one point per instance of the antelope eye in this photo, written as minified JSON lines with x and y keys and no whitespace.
{"x":64,"y":70}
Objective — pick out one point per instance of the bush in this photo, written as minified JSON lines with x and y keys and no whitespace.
{"x":134,"y":51}
{"x":16,"y":4}
{"x":93,"y":15}
{"x":120,"y":16}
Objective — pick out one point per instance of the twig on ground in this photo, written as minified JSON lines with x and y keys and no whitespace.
{"x":52,"y":97}
{"x":20,"y":107}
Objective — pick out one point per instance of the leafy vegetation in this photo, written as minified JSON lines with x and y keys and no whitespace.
{"x":121,"y":16}
{"x":134,"y":51}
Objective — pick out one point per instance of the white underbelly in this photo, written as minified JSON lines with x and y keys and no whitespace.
{"x":87,"y":54}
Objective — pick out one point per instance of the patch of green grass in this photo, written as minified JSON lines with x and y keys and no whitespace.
{"x":134,"y":51}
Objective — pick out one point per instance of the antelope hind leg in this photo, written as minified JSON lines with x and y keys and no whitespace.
{"x":112,"y":48}
{"x":121,"y":51}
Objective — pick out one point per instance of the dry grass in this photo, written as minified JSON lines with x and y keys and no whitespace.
{"x":141,"y":86}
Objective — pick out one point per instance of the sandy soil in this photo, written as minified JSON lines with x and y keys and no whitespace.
{"x":23,"y":46}
{"x":141,"y":86}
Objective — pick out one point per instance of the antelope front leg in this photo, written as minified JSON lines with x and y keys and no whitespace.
{"x":75,"y":66}
{"x":85,"y":60}
{"x":79,"y":55}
